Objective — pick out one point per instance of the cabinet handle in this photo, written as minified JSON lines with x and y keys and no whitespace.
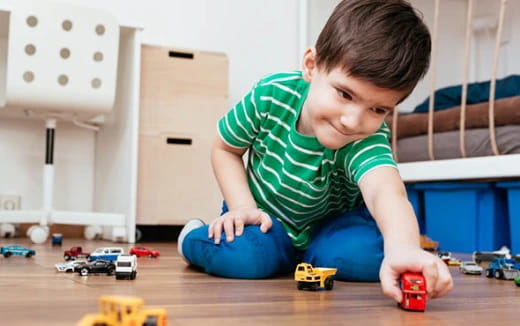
{"x":183,"y":55}
{"x":178,"y":141}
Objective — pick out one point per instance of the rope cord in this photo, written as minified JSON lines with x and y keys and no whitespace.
{"x":492,"y":136}
{"x":433,"y":77}
{"x":465,"y":81}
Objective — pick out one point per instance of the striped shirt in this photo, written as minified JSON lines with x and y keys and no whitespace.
{"x":292,"y":176}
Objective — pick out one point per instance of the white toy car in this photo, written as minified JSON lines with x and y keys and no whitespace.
{"x":69,"y":267}
{"x":126,"y":267}
{"x":106,"y":253}
{"x":470,"y":267}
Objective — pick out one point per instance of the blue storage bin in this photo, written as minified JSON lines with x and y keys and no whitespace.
{"x":416,"y":199}
{"x":465,"y":217}
{"x":513,"y":203}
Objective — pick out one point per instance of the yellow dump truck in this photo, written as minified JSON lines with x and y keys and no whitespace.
{"x":124,"y":311}
{"x":312,"y":278}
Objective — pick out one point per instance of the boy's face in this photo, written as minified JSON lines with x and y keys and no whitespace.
{"x":339,"y":108}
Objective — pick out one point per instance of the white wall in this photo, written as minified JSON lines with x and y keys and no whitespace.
{"x":259,"y":37}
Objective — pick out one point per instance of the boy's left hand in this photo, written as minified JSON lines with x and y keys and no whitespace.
{"x":414,"y":259}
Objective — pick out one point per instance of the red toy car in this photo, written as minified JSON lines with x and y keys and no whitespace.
{"x":413,"y":286}
{"x":142,"y":251}
{"x":75,"y":252}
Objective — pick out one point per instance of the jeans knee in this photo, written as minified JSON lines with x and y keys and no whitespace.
{"x":253,"y":255}
{"x":356,"y":253}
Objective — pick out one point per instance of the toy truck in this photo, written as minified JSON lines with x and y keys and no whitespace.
{"x":312,"y":278}
{"x":502,"y":269}
{"x":126,"y":267}
{"x":74,"y":253}
{"x":413,"y":286}
{"x":124,"y":310}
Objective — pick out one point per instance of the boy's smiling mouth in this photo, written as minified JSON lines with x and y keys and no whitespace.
{"x":342,"y":132}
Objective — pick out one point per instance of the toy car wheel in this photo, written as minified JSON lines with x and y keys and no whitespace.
{"x":111,"y":271}
{"x":7,"y":254}
{"x":150,"y":255}
{"x":329,"y":283}
{"x":83,"y":272}
{"x":488,"y":273}
{"x":499,"y":274}
{"x":66,"y":257}
{"x":133,"y":275}
{"x":301,"y":285}
{"x":28,"y":255}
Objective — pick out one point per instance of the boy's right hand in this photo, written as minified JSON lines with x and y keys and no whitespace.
{"x":233,"y":223}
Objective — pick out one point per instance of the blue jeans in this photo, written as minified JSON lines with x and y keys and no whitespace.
{"x":351,"y":242}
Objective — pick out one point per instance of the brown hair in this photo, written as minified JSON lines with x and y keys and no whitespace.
{"x":384,"y":42}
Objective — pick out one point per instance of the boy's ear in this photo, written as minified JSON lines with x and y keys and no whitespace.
{"x":309,"y":63}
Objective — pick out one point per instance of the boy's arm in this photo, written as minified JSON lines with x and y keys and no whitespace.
{"x":229,"y":170}
{"x":386,"y":199}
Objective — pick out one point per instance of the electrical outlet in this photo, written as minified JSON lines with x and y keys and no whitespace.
{"x":10,"y":202}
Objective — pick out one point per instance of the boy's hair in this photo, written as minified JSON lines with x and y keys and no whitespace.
{"x":384,"y":42}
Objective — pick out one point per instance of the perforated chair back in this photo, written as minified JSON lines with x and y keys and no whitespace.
{"x":60,"y":58}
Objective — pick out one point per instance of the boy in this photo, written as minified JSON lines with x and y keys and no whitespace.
{"x":321,"y":185}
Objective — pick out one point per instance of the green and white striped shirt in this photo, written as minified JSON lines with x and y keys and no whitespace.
{"x":292,"y":176}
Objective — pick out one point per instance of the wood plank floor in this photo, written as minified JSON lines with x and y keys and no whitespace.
{"x":32,"y":292}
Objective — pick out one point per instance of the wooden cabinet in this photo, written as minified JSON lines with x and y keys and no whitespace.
{"x":183,"y":94}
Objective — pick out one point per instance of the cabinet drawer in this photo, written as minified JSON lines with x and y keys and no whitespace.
{"x":182,"y":93}
{"x":176,"y":182}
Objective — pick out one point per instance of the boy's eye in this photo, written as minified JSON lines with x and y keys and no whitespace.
{"x":344,"y":94}
{"x":379,"y":110}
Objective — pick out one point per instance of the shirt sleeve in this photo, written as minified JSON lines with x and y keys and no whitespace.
{"x":240,"y":125}
{"x":369,"y":154}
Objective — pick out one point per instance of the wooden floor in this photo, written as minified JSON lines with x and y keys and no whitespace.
{"x":32,"y":292}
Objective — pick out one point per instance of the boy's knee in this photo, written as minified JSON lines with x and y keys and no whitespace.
{"x":357,"y":255}
{"x":250,"y":256}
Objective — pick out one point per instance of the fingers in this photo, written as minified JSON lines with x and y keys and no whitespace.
{"x":444,"y":282}
{"x":233,"y":223}
{"x":265,"y":222}
{"x":390,"y":284}
{"x":229,"y":229}
{"x":215,"y":229}
{"x":438,"y":279}
{"x":431,"y":275}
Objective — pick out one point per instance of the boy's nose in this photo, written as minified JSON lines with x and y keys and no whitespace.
{"x":350,"y":120}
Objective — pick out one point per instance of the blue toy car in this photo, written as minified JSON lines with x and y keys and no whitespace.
{"x":16,"y":250}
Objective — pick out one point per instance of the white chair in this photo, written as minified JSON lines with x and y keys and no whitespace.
{"x":61,"y":65}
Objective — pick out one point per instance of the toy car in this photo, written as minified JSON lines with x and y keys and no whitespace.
{"x":143,"y":251}
{"x":445,"y":256}
{"x":454,"y":262}
{"x":124,"y":310}
{"x":312,"y":278}
{"x":106,"y":253}
{"x":16,"y":250}
{"x":502,"y":269}
{"x":75,"y":252}
{"x":471,"y":268}
{"x":480,"y":256}
{"x":97,"y":267}
{"x":69,"y":267}
{"x":126,"y":267}
{"x":413,"y":286}
{"x":428,"y":244}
